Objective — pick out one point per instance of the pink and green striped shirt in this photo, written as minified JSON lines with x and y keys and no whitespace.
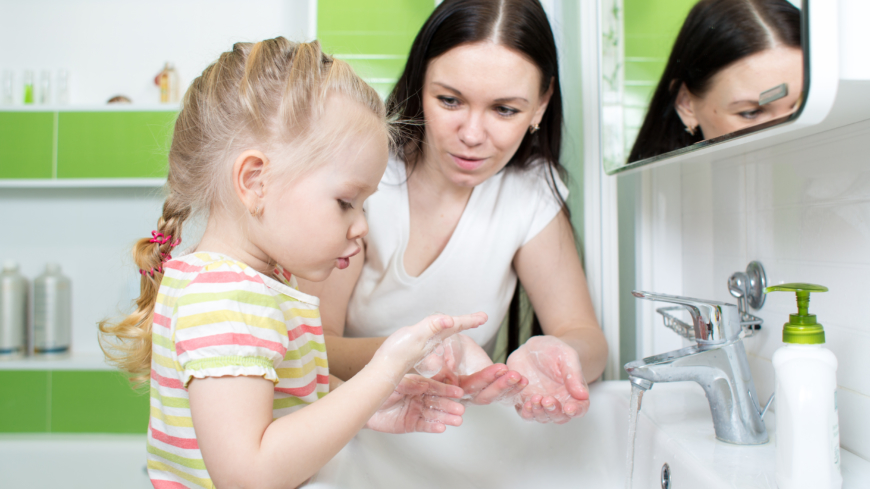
{"x":217,"y":317}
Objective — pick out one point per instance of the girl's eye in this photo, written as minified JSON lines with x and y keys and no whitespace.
{"x":750,"y":114}
{"x":449,"y":102}
{"x":345,"y":205}
{"x":505,"y":111}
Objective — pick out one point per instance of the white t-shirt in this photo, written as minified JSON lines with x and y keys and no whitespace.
{"x":474,"y":271}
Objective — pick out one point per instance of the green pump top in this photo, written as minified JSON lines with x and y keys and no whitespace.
{"x":802,"y":327}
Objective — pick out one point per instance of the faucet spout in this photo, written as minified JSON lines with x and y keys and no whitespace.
{"x":723,"y":372}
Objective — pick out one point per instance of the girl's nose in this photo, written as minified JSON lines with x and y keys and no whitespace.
{"x":359,"y":228}
{"x":472,"y":132}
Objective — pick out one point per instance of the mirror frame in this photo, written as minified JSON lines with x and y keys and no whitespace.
{"x":821,"y":74}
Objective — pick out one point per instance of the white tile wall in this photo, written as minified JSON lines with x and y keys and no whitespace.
{"x":803,"y":210}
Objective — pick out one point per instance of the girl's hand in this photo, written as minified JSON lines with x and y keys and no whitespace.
{"x":419,"y":404}
{"x":407,"y":346}
{"x":460,"y":361}
{"x":557,"y":390}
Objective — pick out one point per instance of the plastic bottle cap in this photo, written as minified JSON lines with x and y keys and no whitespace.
{"x":802,"y":327}
{"x":10,"y":266}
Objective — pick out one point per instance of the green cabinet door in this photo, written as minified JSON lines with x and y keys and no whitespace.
{"x":26,"y":144}
{"x":113,"y":144}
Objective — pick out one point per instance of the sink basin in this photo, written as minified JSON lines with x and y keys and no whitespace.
{"x":495,"y":448}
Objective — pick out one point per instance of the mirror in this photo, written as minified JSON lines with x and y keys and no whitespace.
{"x":681,"y":75}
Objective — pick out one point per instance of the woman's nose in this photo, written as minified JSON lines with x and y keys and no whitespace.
{"x":472,"y":131}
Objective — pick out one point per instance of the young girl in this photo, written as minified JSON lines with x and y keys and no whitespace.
{"x":280,"y":145}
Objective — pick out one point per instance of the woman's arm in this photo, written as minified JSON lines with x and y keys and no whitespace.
{"x":551,"y":273}
{"x":347,"y":356}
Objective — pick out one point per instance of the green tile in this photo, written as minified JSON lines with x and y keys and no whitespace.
{"x":96,"y":402}
{"x":368,"y":43}
{"x":113,"y":144}
{"x":648,"y":70}
{"x":24,"y":401}
{"x":651,"y":26}
{"x":378,"y":68}
{"x":26,"y":144}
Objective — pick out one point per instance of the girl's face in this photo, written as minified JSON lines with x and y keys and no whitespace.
{"x":314,"y":223}
{"x":479,"y":101}
{"x":731,"y":103}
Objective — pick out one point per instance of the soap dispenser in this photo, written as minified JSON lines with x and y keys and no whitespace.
{"x":807,"y":429}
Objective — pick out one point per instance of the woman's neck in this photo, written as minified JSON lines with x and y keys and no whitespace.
{"x":428,"y":178}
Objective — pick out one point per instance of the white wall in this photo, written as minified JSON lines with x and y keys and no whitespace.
{"x":117,"y":47}
{"x":803,"y":210}
{"x":112,"y":47}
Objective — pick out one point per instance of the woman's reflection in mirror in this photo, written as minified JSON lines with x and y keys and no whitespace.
{"x":727,"y":53}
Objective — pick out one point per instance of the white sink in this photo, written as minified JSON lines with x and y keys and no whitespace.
{"x":495,"y":448}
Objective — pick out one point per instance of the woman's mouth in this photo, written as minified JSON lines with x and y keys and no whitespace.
{"x":467,"y":163}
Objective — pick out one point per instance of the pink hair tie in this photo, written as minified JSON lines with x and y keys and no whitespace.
{"x":161,"y":239}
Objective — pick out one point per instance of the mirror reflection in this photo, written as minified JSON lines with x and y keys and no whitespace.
{"x":732,"y":65}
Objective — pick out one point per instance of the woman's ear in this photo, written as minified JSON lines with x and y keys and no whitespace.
{"x":685,"y":107}
{"x":545,"y":99}
{"x":248,"y":179}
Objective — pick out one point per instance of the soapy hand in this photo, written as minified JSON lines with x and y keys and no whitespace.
{"x":407,"y":346}
{"x":419,"y":404}
{"x":557,"y":390}
{"x":460,"y":361}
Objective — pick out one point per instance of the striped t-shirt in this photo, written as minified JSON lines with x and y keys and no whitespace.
{"x":217,"y":317}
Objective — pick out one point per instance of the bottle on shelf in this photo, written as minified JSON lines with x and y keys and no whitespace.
{"x":167,"y":80}
{"x":52,"y":311}
{"x":28,"y":87}
{"x":13,"y":312}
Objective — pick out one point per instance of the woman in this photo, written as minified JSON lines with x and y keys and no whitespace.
{"x":472,"y":201}
{"x":727,"y":53}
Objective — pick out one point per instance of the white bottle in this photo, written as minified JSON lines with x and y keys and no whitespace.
{"x":807,"y":428}
{"x":52,"y":311}
{"x":13,"y":312}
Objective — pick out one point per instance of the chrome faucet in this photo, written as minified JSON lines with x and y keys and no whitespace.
{"x":717,"y":362}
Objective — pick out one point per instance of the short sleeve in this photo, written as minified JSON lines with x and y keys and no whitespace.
{"x":546,"y":205}
{"x":229,"y":324}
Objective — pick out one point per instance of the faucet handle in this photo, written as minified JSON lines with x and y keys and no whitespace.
{"x":715,"y":322}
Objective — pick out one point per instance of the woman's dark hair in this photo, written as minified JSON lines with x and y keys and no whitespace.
{"x":519,"y":25}
{"x":715,"y":34}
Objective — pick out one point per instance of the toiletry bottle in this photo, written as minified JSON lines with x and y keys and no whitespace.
{"x":163,"y":82}
{"x":807,"y":429}
{"x":13,"y":312}
{"x":52,"y":311}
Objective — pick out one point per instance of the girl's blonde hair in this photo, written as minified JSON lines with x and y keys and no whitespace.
{"x":269,"y":93}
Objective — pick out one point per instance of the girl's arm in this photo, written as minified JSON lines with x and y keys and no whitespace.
{"x":243,"y":447}
{"x":347,"y":356}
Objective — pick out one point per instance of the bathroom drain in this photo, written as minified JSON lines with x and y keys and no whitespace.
{"x":666,"y":477}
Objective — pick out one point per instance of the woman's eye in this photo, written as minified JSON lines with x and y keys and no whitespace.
{"x":505,"y":111}
{"x":750,"y":114}
{"x":345,"y":205}
{"x":449,"y":101}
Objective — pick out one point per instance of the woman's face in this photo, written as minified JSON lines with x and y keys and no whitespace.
{"x":478,"y":100}
{"x":731,"y":103}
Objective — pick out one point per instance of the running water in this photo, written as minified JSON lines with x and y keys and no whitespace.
{"x":633,"y":410}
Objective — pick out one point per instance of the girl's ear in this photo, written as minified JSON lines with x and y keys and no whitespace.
{"x":545,"y":100}
{"x":248,"y":179}
{"x":685,"y":108}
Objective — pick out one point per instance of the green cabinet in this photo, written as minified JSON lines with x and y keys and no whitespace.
{"x":26,"y":144}
{"x":113,"y":144}
{"x":92,"y":145}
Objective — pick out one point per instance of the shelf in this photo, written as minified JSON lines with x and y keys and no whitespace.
{"x":93,"y":108}
{"x":38,"y":183}
{"x":68,"y":361}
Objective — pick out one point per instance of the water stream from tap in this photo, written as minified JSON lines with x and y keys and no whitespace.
{"x":633,"y":410}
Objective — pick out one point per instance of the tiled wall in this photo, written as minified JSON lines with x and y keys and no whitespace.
{"x":803,"y":210}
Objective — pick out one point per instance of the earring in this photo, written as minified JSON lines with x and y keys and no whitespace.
{"x":690,"y":130}
{"x":256,"y":211}
{"x":534,"y":128}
